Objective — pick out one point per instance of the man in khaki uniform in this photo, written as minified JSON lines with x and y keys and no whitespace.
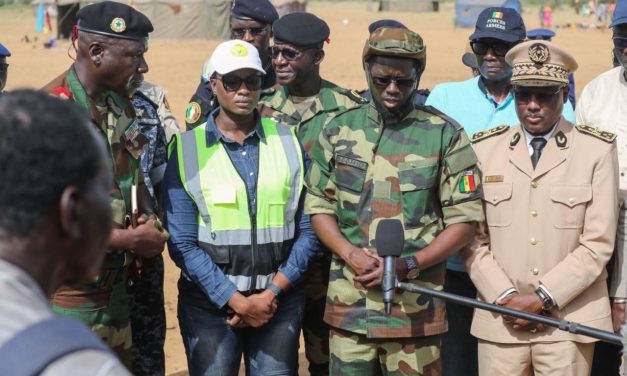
{"x":551,"y":202}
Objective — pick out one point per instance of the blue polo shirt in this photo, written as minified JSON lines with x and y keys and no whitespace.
{"x":469,"y":104}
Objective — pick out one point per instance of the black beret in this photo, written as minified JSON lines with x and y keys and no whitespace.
{"x":300,"y":29}
{"x":115,"y":20}
{"x":258,"y":10}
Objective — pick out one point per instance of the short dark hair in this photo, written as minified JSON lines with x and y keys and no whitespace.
{"x":45,"y":146}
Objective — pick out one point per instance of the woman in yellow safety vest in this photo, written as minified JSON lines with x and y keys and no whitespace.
{"x":233,"y":207}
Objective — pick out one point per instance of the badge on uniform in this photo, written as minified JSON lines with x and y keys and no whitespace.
{"x":467,"y":182}
{"x":193,"y":113}
{"x":133,"y":139}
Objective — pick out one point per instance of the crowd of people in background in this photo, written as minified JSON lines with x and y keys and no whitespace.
{"x":507,"y":189}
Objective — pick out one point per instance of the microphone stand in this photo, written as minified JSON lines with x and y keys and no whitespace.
{"x":564,"y":325}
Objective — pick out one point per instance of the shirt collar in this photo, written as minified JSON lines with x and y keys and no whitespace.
{"x":213,"y":134}
{"x":489,"y":97}
{"x":546,"y":136}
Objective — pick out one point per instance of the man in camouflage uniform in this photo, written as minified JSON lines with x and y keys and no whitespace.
{"x":390,"y":159}
{"x":111,"y":41}
{"x":306,"y":101}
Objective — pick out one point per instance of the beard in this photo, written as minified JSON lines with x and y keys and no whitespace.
{"x":132,"y":84}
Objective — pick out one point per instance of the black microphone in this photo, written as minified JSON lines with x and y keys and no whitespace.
{"x":389,"y":240}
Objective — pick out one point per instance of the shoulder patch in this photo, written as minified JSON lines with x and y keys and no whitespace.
{"x":193,"y":112}
{"x":596,"y":132}
{"x":489,"y":133}
{"x":434,"y":111}
{"x":355,"y":96}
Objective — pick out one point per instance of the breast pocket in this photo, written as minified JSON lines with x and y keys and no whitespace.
{"x":498,"y":204}
{"x":416,"y":180}
{"x":350,"y":173}
{"x":569,"y":205}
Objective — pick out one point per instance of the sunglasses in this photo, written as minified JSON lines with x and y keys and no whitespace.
{"x":289,"y":54}
{"x":525,"y":95}
{"x":499,"y":48}
{"x":239,"y":33}
{"x":401,"y":83}
{"x":620,"y":42}
{"x":233,"y":83}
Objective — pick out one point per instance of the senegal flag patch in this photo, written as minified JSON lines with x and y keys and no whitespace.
{"x":193,"y":112}
{"x":467,"y":182}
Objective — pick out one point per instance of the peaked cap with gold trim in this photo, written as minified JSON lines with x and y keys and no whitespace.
{"x":114,"y":20}
{"x":540,"y":63}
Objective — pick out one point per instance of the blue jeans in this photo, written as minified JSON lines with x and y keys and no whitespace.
{"x":215,"y":349}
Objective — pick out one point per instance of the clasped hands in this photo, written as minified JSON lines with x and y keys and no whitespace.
{"x":523,"y":302}
{"x":252,"y":311}
{"x":368,"y":267}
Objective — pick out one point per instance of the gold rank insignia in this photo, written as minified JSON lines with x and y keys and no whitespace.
{"x":489,"y":133}
{"x":494,"y":178}
{"x":118,"y":25}
{"x":560,"y":139}
{"x":596,"y":132}
{"x":514,"y":140}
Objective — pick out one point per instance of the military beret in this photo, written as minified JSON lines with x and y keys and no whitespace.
{"x":544,"y":34}
{"x":540,"y":63}
{"x":4,"y":52}
{"x":393,"y":24}
{"x":300,"y":29}
{"x":258,"y":10}
{"x":396,"y":43}
{"x":620,"y":13}
{"x":114,"y":20}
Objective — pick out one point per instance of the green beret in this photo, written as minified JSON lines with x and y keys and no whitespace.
{"x":114,"y":20}
{"x":300,"y":29}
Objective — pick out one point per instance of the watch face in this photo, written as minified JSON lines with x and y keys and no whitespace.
{"x":413,"y":274}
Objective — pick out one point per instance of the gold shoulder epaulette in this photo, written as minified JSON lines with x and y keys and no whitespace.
{"x":596,"y":132}
{"x":355,"y":96}
{"x":489,"y":133}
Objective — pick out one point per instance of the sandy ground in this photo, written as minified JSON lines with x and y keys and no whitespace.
{"x":176,"y":66}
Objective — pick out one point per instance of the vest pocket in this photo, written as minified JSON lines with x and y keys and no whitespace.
{"x":498,"y":204}
{"x":569,"y":205}
{"x":416,"y":185}
{"x":276,"y":214}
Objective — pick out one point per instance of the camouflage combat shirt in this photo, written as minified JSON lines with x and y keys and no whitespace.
{"x":331,"y":99}
{"x":421,"y":170}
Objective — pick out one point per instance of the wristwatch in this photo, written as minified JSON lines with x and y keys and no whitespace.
{"x":547,"y":302}
{"x":413,"y":269}
{"x":275,"y":289}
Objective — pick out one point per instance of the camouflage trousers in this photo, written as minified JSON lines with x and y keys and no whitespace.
{"x":148,"y":319}
{"x":315,"y":330}
{"x":103,"y":309}
{"x":356,"y":355}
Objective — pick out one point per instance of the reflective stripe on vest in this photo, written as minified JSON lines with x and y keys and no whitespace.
{"x":225,"y":226}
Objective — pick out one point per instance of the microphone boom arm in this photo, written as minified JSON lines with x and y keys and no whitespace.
{"x":564,"y":325}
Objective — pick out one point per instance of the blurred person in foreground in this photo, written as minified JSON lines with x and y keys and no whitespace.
{"x":603,"y":104}
{"x":233,"y":205}
{"x":550,"y":198}
{"x":390,"y":158}
{"x":4,"y":66}
{"x":306,"y":101}
{"x":111,"y":39}
{"x":251,"y":21}
{"x":54,"y":227}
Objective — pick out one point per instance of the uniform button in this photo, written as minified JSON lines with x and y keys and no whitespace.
{"x":535,"y":271}
{"x":252,"y":173}
{"x":495,"y":198}
{"x":533,"y":241}
{"x":534,"y":213}
{"x":534,"y":184}
{"x":622,"y":174}
{"x":571,"y":200}
{"x":243,"y":153}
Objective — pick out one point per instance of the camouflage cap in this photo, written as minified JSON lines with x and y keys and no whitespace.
{"x":395,"y":42}
{"x":540,"y":63}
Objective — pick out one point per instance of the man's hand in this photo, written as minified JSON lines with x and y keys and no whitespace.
{"x":147,"y":240}
{"x":374,"y":277}
{"x":618,"y":315}
{"x":522,"y":302}
{"x":362,"y":261}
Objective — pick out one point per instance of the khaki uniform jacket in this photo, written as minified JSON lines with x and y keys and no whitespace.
{"x":554,"y":225}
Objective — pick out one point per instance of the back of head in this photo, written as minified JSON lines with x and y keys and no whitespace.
{"x":396,"y":42}
{"x":46,"y":145}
